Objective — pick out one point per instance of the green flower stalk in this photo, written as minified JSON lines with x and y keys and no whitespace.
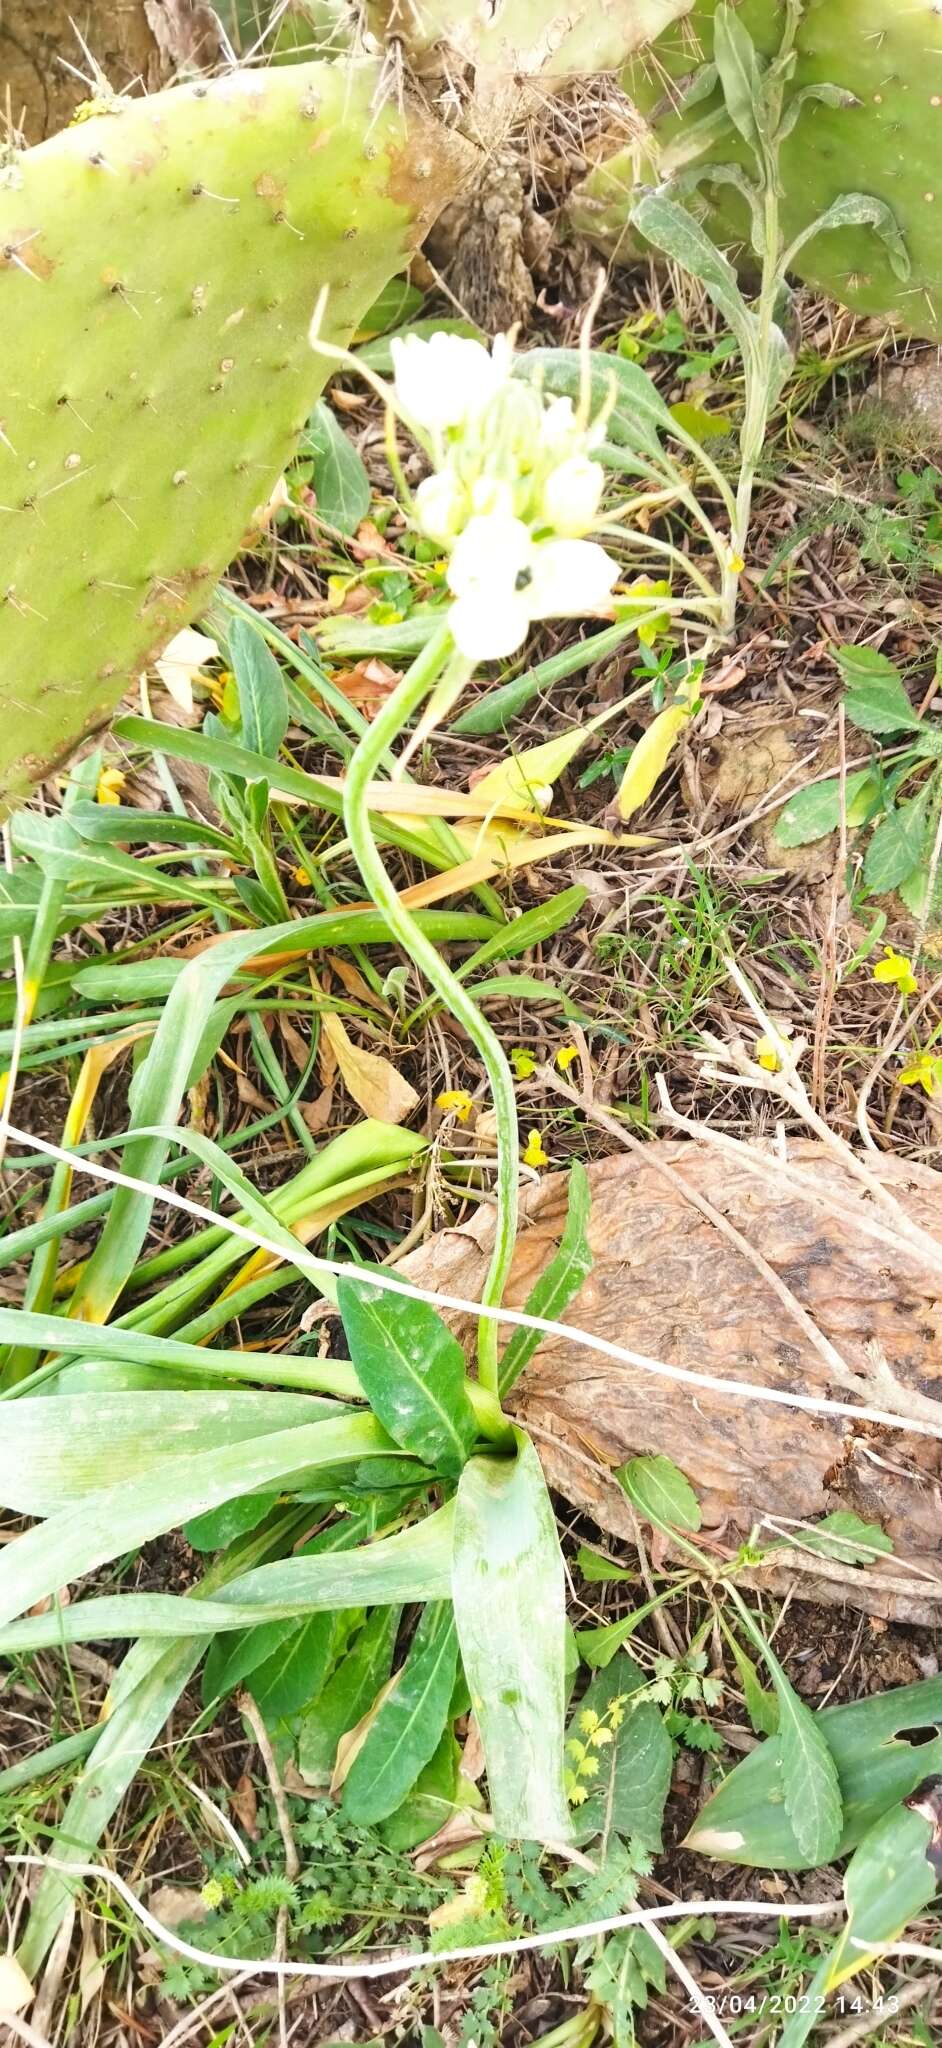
{"x":413,"y":691}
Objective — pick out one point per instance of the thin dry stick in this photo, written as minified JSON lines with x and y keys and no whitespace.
{"x":248,"y":1707}
{"x":207,"y":2005}
{"x":22,"y":2030}
{"x":869,"y":2022}
{"x":789,"y":1087}
{"x":310,"y":1263}
{"x":774,"y":1167}
{"x":902,"y":1024}
{"x":825,"y":1003}
{"x":707,"y":2012}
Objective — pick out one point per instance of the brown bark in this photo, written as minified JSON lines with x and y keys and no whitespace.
{"x":138,"y":45}
{"x":668,"y":1284}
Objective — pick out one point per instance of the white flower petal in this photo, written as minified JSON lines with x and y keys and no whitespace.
{"x":571,"y":496}
{"x":440,"y":507}
{"x":570,"y":578}
{"x":182,"y":659}
{"x":491,"y":553}
{"x":440,"y":382}
{"x":487,"y":627}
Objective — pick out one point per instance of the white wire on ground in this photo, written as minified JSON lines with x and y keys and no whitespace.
{"x":393,"y":1966}
{"x":310,"y":1262}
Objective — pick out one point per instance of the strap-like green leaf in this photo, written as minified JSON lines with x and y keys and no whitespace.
{"x":118,"y":1518}
{"x":415,"y":1564}
{"x":510,"y":1608}
{"x":263,"y":699}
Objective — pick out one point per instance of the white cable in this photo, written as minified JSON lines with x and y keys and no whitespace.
{"x":309,"y":1262}
{"x":391,"y":1966}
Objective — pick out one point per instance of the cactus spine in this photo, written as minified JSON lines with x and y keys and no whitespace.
{"x":885,"y":140}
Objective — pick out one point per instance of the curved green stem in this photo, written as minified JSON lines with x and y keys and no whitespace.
{"x":384,"y":730}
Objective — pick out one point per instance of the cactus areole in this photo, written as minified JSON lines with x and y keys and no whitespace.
{"x":159,"y":266}
{"x":885,"y":140}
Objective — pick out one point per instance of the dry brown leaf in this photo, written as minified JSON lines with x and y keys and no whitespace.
{"x":16,"y":1991}
{"x":355,"y":984}
{"x":377,"y":1087}
{"x":368,"y":684}
{"x":316,"y":1114}
{"x":297,"y":1786}
{"x":416,"y":800}
{"x":92,"y":1968}
{"x":296,"y":1043}
{"x":457,"y":1832}
{"x":350,"y":1745}
{"x":244,"y":1803}
{"x":472,"y":1760}
{"x":172,"y":1904}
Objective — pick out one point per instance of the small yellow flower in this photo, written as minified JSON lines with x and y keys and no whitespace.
{"x":456,"y":1100}
{"x":565,"y":1056}
{"x":533,"y":1153}
{"x":524,"y":1063}
{"x":301,"y":876}
{"x":212,"y":1893}
{"x":769,"y":1048}
{"x":110,"y":784}
{"x":923,"y":1071}
{"x":898,"y":970}
{"x":736,"y":565}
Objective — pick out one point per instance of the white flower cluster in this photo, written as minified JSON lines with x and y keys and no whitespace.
{"x":512,"y":494}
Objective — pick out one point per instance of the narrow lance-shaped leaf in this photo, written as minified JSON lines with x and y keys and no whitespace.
{"x":263,"y":699}
{"x":672,"y":229}
{"x":510,"y":1608}
{"x":56,"y":1452}
{"x":738,"y":66}
{"x":412,"y":1371}
{"x":569,"y":1267}
{"x":409,"y":1724}
{"x":347,"y":1695}
{"x":143,"y":1695}
{"x":629,"y":1791}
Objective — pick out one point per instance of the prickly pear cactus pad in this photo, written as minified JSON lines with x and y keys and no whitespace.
{"x":887,"y":143}
{"x":559,"y":39}
{"x":159,"y":266}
